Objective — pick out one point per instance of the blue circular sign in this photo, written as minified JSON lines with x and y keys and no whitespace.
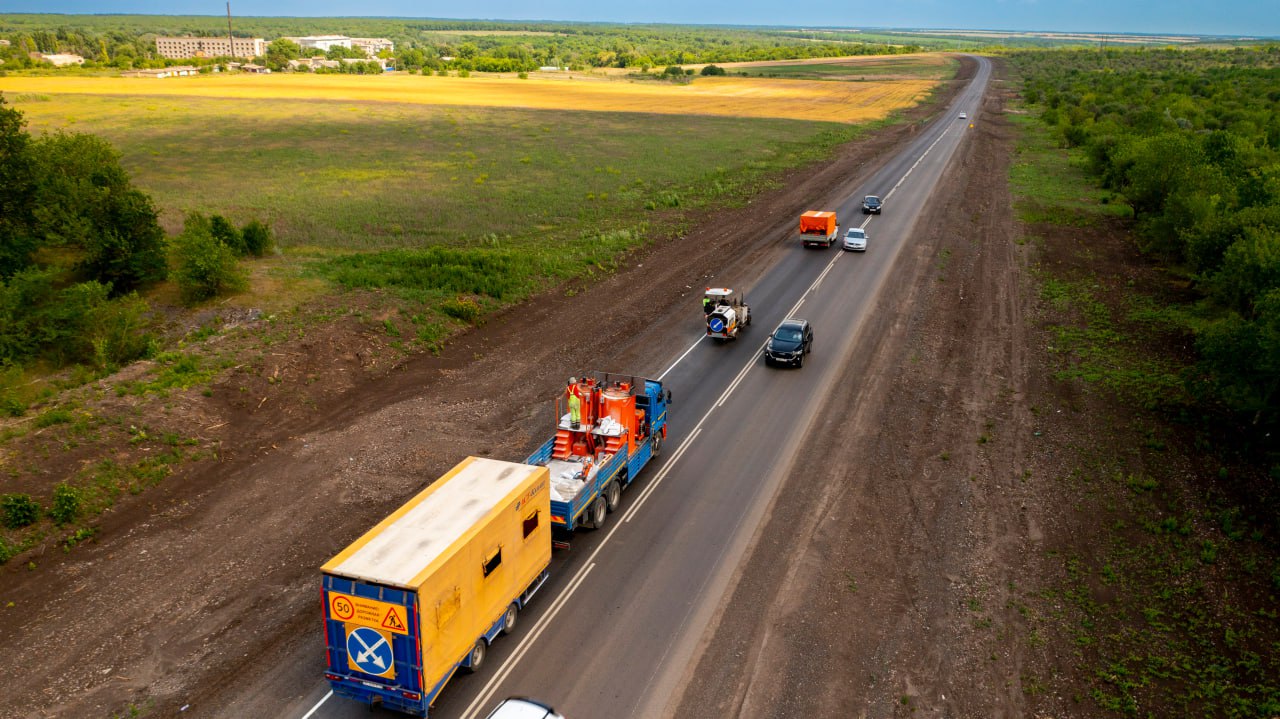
{"x":717,"y":324}
{"x":369,"y":651}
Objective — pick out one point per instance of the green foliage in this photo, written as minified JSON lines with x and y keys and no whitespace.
{"x":79,"y":323}
{"x":204,"y":267}
{"x":1191,"y":141}
{"x":18,"y":510}
{"x":257,"y":238}
{"x":226,"y":233}
{"x":66,"y":504}
{"x":421,"y":274}
{"x":86,"y":202}
{"x":18,"y":188}
{"x":713,"y":70}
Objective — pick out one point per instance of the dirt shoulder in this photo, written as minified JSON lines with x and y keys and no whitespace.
{"x":318,"y":431}
{"x":890,"y":580}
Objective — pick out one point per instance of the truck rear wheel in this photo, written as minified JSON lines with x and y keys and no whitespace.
{"x":476,"y":657}
{"x":612,"y":496}
{"x":509,"y":618}
{"x":596,"y":513}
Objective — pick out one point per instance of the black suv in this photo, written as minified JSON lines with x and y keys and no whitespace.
{"x":789,"y":343}
{"x":871,"y":205}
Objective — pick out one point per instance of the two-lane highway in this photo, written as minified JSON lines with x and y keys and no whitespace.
{"x":615,"y":632}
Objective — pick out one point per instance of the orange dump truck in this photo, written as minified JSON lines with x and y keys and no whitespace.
{"x":818,"y":228}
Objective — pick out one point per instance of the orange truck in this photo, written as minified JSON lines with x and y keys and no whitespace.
{"x":818,"y":228}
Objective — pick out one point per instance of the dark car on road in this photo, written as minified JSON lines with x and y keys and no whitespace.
{"x":871,"y":205}
{"x":789,"y":343}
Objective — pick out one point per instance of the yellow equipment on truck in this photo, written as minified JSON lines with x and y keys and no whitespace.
{"x":422,"y":594}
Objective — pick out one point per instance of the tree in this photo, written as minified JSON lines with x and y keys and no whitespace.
{"x":713,"y":70}
{"x":203,"y":266}
{"x":86,"y":201}
{"x":280,"y":52}
{"x":17,"y":193}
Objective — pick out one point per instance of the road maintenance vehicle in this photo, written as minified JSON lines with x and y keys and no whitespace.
{"x":608,"y":428}
{"x":726,"y":313}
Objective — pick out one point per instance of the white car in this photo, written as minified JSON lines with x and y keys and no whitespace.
{"x":855,"y":239}
{"x":521,"y":708}
{"x":964,"y":116}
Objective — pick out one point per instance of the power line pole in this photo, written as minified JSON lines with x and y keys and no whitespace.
{"x":231,"y":41}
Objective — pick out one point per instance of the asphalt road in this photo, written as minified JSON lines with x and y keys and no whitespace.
{"x":616,"y":630}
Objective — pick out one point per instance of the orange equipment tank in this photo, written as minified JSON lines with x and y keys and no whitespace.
{"x":620,"y":406}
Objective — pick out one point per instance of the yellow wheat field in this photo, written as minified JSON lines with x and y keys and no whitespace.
{"x":724,"y":96}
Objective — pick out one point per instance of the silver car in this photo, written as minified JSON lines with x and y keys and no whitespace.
{"x":855,"y":239}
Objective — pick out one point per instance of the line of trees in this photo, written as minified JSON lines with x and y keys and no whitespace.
{"x":1190,"y":139}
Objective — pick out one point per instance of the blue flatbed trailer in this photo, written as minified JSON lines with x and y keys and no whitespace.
{"x":567,"y":515}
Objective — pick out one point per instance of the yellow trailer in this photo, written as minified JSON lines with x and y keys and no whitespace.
{"x":422,"y":594}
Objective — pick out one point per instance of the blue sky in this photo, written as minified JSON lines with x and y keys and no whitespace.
{"x":1223,"y":17}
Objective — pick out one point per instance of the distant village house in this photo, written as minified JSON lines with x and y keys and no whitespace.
{"x":159,"y":72}
{"x":59,"y":59}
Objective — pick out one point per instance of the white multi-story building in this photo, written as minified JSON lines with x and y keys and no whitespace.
{"x":371,"y":45}
{"x":322,"y":42}
{"x":184,"y":47}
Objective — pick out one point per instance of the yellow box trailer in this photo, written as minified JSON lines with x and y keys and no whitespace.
{"x":422,"y":594}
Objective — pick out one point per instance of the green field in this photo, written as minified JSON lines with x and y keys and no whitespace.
{"x":336,"y":175}
{"x":887,"y":67}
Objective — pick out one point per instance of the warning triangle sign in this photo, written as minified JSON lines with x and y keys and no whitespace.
{"x":393,"y":621}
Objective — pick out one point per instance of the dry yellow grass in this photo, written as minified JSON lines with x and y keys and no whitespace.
{"x":723,"y":96}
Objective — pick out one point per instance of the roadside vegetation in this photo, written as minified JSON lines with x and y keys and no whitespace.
{"x":1173,"y":611}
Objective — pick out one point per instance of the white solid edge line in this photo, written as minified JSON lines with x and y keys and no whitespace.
{"x":487,"y":693}
{"x":324,"y":699}
{"x":681,"y":357}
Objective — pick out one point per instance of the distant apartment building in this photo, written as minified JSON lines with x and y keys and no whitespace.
{"x":371,"y":45}
{"x":185,"y":47}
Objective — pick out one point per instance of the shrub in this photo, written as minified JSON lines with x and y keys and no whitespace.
{"x":713,"y":70}
{"x":66,"y":504}
{"x":226,"y":233}
{"x":257,"y":238}
{"x":18,"y":510}
{"x":204,"y":266}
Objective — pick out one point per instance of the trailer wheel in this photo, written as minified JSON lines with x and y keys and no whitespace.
{"x":596,"y":514}
{"x":476,"y":657}
{"x":509,"y":618}
{"x":657,"y":444}
{"x":612,"y":496}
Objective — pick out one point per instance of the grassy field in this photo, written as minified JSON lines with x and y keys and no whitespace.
{"x":922,"y":67}
{"x":459,"y":194}
{"x":375,"y":176}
